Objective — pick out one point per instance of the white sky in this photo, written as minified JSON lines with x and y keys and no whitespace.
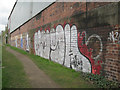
{"x":5,"y":9}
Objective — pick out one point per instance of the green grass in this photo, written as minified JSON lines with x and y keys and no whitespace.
{"x":0,"y":65}
{"x":65,"y":77}
{"x":13,"y":74}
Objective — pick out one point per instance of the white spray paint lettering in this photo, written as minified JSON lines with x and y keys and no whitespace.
{"x":114,"y":37}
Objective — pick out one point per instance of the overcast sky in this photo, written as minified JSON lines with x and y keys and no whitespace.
{"x":5,"y":9}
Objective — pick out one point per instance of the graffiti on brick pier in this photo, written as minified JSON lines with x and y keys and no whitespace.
{"x":65,"y":45}
{"x":16,"y":41}
{"x":21,"y":39}
{"x":27,"y":42}
{"x":88,"y":52}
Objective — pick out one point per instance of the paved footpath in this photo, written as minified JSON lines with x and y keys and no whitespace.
{"x":37,"y":77}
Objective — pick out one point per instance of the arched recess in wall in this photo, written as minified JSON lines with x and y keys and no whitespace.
{"x":27,"y":42}
{"x":43,"y":43}
{"x":35,"y":43}
{"x":47,"y":44}
{"x":67,"y":45}
{"x":53,"y":45}
{"x":60,"y":44}
{"x":39,"y":42}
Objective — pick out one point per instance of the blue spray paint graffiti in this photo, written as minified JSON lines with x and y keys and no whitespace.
{"x":21,"y":41}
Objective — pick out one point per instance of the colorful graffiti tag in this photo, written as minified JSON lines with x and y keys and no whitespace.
{"x":21,"y":39}
{"x":65,"y":45}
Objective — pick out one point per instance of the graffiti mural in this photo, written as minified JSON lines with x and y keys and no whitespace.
{"x":60,"y":44}
{"x":39,"y":43}
{"x":36,"y":43}
{"x":21,"y":39}
{"x":87,"y":52}
{"x":46,"y":44}
{"x":27,"y":42}
{"x":65,"y":45}
{"x":83,"y":62}
{"x":53,"y":45}
{"x":16,"y":41}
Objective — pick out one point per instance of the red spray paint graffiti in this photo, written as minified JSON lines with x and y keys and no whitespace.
{"x":88,"y":53}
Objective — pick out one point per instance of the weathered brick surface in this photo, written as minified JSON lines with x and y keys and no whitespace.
{"x":100,"y":23}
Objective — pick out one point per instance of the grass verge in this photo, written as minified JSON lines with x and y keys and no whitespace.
{"x":13,"y":74}
{"x":0,"y":65}
{"x":65,"y":77}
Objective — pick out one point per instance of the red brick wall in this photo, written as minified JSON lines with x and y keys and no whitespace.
{"x":100,"y":19}
{"x":112,"y":56}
